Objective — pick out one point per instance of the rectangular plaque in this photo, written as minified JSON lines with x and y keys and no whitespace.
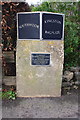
{"x":40,"y":59}
{"x":52,"y":26}
{"x":28,"y":26}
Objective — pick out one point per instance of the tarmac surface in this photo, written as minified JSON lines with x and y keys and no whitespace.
{"x":65,"y":106}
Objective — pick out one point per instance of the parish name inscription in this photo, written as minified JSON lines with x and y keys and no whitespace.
{"x":44,"y":26}
{"x":52,"y":26}
{"x":28,"y":26}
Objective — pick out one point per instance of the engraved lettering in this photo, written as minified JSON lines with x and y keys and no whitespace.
{"x":29,"y":25}
{"x":52,"y":32}
{"x":52,"y":21}
{"x":40,"y":59}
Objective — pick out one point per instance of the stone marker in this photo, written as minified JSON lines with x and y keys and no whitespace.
{"x":40,"y":54}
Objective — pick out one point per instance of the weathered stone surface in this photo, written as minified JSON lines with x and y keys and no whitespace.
{"x":77,"y":76}
{"x":9,"y":80}
{"x":8,"y":56}
{"x":77,"y":83}
{"x":67,"y":84}
{"x":71,"y":79}
{"x":39,"y":81}
{"x":67,"y":76}
{"x":67,"y":88}
{"x":75,"y":69}
{"x":75,"y":87}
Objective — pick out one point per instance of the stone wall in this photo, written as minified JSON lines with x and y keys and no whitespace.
{"x":71,"y":78}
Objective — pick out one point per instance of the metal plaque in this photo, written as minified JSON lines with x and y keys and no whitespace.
{"x":40,"y":59}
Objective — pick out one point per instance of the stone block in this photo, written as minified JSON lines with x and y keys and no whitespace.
{"x":40,"y":54}
{"x":68,"y":76}
{"x":39,"y":81}
{"x":75,"y":69}
{"x":9,"y":80}
{"x":77,"y":76}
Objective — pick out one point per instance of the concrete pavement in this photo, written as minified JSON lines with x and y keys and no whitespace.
{"x":64,"y":107}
